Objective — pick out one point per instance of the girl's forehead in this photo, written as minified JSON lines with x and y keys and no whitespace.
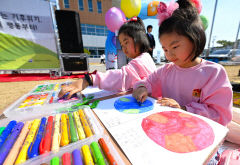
{"x":170,"y":37}
{"x":123,"y":37}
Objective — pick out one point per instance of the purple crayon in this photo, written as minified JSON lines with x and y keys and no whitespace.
{"x":7,"y":145}
{"x":77,"y":159}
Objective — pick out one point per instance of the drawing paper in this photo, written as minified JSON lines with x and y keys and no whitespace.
{"x":96,"y":92}
{"x":129,"y":132}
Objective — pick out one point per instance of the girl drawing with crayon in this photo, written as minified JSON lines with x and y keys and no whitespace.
{"x":187,"y":82}
{"x":134,"y":42}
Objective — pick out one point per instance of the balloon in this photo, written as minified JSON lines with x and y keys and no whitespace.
{"x":131,"y":8}
{"x":114,"y":40}
{"x":144,"y":10}
{"x":148,"y":9}
{"x":152,"y":8}
{"x":198,"y":5}
{"x":204,"y":21}
{"x":114,"y":19}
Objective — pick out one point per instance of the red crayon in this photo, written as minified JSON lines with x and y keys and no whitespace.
{"x":106,"y":151}
{"x":66,"y":159}
{"x":45,"y":145}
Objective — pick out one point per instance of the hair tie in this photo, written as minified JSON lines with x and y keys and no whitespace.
{"x":165,"y":11}
{"x":131,"y":19}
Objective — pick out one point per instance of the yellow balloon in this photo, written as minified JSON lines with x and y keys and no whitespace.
{"x":131,"y":8}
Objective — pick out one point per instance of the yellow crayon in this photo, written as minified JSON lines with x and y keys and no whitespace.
{"x":79,"y":126}
{"x":22,"y":157}
{"x":56,"y":134}
{"x":64,"y":130}
{"x":56,"y":87}
{"x":12,"y":155}
{"x":88,"y":160}
{"x":86,"y":126}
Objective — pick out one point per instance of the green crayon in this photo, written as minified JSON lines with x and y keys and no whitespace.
{"x":54,"y":161}
{"x":97,"y":155}
{"x":1,"y":130}
{"x":73,"y":133}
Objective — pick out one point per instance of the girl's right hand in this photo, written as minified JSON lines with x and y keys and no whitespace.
{"x":76,"y":86}
{"x":140,"y":94}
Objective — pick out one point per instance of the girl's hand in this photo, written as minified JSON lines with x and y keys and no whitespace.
{"x":75,"y":87}
{"x":168,"y":102}
{"x":140,"y":94}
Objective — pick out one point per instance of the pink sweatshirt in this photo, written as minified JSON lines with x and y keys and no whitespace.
{"x":204,"y":89}
{"x":124,"y":78}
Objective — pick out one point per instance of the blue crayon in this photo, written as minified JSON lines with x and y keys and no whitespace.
{"x":33,"y":149}
{"x":64,"y":96}
{"x":77,"y":159}
{"x":7,"y":131}
{"x":6,"y":147}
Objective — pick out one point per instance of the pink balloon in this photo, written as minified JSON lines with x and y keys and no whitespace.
{"x":114,"y":19}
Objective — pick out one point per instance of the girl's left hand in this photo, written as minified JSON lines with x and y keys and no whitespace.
{"x":168,"y":102}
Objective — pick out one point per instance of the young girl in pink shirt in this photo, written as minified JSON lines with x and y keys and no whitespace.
{"x":187,"y":82}
{"x":134,"y":42}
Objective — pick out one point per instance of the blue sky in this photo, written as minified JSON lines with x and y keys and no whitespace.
{"x":226,"y":20}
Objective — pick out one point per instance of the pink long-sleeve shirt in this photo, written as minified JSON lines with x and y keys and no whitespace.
{"x":203,"y":89}
{"x":123,"y":79}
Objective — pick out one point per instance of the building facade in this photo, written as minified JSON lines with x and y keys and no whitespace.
{"x":92,"y":19}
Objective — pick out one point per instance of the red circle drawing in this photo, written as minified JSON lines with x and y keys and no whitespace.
{"x":178,"y":132}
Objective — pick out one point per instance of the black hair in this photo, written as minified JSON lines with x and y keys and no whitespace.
{"x":186,"y":21}
{"x":149,"y":26}
{"x":136,"y":30}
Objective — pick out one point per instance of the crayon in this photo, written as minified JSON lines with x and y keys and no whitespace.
{"x":56,"y":87}
{"x":87,"y":155}
{"x":22,"y":157}
{"x":12,"y":155}
{"x":73,"y":134}
{"x":64,"y":130}
{"x":45,"y":145}
{"x":6,"y":147}
{"x":52,"y":97}
{"x":54,"y":161}
{"x":66,"y":159}
{"x":77,"y":159}
{"x":79,"y":126}
{"x":7,"y":131}
{"x":56,"y":134}
{"x":106,"y":151}
{"x":97,"y":155}
{"x":33,"y":149}
{"x":86,"y":126}
{"x":2,"y":129}
{"x":94,"y":104}
{"x":65,"y":96}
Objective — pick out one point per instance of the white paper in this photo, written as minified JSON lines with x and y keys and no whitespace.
{"x":139,"y":148}
{"x":96,"y":92}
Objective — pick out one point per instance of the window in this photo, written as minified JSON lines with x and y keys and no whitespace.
{"x":95,"y":52}
{"x":94,"y":30}
{"x":66,"y":4}
{"x":99,"y":6}
{"x":101,"y":51}
{"x":83,"y":30}
{"x":80,"y":5}
{"x":91,"y":30}
{"x":90,"y":6}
